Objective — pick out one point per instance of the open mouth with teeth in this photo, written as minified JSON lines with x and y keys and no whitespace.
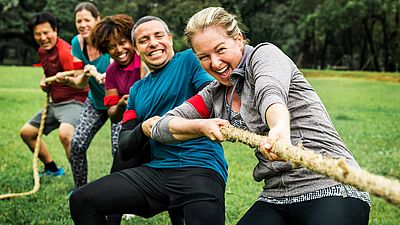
{"x":122,"y":56}
{"x":155,"y":53}
{"x":223,"y":72}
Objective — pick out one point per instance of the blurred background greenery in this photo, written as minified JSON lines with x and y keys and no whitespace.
{"x":323,"y":34}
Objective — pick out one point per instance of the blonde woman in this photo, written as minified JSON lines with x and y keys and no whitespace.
{"x":261,"y":90}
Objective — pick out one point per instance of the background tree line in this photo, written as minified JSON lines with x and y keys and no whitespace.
{"x":340,"y":34}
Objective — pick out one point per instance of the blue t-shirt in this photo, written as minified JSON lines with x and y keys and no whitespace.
{"x":96,"y":91}
{"x":163,"y":90}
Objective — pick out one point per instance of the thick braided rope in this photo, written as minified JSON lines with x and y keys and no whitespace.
{"x":64,"y":74}
{"x":336,"y":169}
{"x":35,"y":157}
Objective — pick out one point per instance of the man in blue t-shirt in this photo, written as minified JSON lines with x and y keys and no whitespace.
{"x":187,"y":178}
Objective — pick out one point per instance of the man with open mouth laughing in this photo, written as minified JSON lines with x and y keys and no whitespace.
{"x":187,"y":178}
{"x":112,"y":35}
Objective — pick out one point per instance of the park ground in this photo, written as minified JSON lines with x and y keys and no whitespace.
{"x":364,"y":106}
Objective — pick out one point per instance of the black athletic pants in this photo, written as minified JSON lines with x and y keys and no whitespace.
{"x":197,"y":194}
{"x":326,"y":211}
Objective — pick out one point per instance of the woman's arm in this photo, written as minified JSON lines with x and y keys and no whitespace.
{"x":115,"y":111}
{"x":185,"y":129}
{"x":189,"y":120}
{"x":172,"y":129}
{"x":278,"y":120}
{"x":272,"y":72}
{"x":80,"y":78}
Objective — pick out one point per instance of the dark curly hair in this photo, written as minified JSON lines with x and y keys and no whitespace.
{"x":115,"y":26}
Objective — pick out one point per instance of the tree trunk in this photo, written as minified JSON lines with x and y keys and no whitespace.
{"x":324,"y":50}
{"x":370,"y":41}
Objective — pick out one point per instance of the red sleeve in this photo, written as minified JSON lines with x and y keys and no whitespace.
{"x":198,"y":103}
{"x":65,"y":55}
{"x":128,"y":115}
{"x":111,"y":100}
{"x":78,"y":65}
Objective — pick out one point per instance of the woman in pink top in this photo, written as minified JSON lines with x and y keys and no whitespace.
{"x":112,"y":35}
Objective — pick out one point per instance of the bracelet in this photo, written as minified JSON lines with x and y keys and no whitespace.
{"x":66,"y":80}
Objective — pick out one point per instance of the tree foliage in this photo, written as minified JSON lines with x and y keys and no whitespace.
{"x":341,"y":34}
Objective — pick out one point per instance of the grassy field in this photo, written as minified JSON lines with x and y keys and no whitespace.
{"x":382,"y":76}
{"x":365,"y":112}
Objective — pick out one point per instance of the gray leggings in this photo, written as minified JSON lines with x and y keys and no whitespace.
{"x":90,"y":122}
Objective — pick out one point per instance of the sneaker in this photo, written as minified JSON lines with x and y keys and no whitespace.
{"x":60,"y":172}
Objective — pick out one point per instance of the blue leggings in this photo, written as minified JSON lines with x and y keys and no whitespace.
{"x":327,"y":211}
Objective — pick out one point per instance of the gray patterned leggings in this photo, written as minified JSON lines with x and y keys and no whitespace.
{"x":90,"y":122}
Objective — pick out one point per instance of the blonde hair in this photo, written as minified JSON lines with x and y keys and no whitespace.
{"x":212,"y":16}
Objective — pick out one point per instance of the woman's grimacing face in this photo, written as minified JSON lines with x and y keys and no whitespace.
{"x":218,"y":53}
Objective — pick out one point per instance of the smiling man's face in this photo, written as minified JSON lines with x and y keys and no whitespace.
{"x":153,"y":44}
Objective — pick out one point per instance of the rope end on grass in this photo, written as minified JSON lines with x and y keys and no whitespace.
{"x":35,"y":157}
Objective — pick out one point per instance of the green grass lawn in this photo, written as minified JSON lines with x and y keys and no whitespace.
{"x":384,"y":76}
{"x":365,"y":112}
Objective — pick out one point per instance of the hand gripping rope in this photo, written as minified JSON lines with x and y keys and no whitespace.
{"x":35,"y":157}
{"x":336,"y":169}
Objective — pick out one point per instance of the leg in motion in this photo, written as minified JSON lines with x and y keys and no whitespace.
{"x":263,"y":213}
{"x":91,"y":120}
{"x":332,"y":211}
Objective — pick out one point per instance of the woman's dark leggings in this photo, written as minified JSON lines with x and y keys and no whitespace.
{"x":326,"y":211}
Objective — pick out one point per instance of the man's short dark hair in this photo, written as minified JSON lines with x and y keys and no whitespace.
{"x":147,"y":19}
{"x":42,"y":17}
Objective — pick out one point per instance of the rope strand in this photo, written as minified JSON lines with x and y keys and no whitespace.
{"x":64,"y":74}
{"x":337,"y":169}
{"x":35,"y":157}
